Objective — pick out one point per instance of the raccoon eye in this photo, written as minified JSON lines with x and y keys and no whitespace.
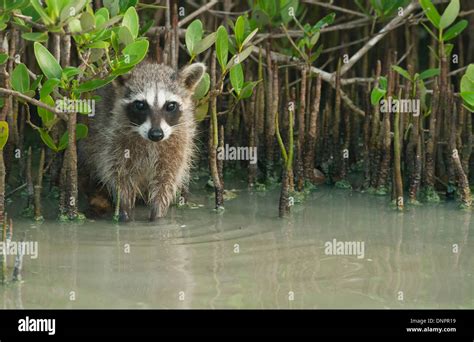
{"x":140,"y":105}
{"x":171,"y":106}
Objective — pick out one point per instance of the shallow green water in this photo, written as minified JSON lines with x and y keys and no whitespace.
{"x":190,"y":259}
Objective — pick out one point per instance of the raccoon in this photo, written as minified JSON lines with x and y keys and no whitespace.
{"x":140,"y":142}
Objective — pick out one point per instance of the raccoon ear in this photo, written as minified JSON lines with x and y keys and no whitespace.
{"x":191,"y":75}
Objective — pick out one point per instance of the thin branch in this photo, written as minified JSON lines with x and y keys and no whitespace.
{"x":336,"y":8}
{"x":342,"y":46}
{"x":15,"y":190}
{"x":197,"y":12}
{"x":28,"y":119}
{"x":350,"y":104}
{"x":218,"y":13}
{"x":405,"y":55}
{"x":350,"y":25}
{"x":347,"y":81}
{"x":452,"y":73}
{"x":293,"y":43}
{"x":466,"y":13}
{"x":34,"y":102}
{"x":30,"y":21}
{"x":229,"y":13}
{"x":326,"y":76}
{"x":372,"y":42}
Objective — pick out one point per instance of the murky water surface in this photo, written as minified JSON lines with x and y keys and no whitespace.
{"x":248,"y":258}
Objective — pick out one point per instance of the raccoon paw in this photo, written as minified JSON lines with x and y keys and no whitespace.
{"x":99,"y":206}
{"x":123,"y":216}
{"x":157,"y":212}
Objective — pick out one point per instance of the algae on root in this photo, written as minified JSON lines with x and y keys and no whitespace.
{"x":429,"y":195}
{"x":343,"y":184}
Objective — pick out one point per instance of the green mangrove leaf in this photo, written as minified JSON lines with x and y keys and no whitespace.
{"x":327,"y":20}
{"x":450,"y":14}
{"x":201,"y":111}
{"x":431,"y":12}
{"x":46,"y":61}
{"x":237,"y":78}
{"x":429,"y":73}
{"x":101,"y":16}
{"x":81,"y":131}
{"x":20,"y":78}
{"x":455,"y":30}
{"x":87,"y":21}
{"x":36,"y":83}
{"x":3,"y":58}
{"x":35,"y":36}
{"x":71,"y":9}
{"x":247,"y":90}
{"x":17,"y":4}
{"x":48,"y":140}
{"x":109,"y":22}
{"x":48,"y":87}
{"x":239,"y":58}
{"x":75,"y":25}
{"x":316,"y":54}
{"x":222,"y":46}
{"x":125,"y":36}
{"x":205,"y":43}
{"x":376,"y":95}
{"x":467,"y":80}
{"x":249,"y":37}
{"x":193,"y":35}
{"x":402,"y":72}
{"x":288,"y":11}
{"x":46,"y":116}
{"x":203,"y":87}
{"x":93,"y":84}
{"x":36,"y":4}
{"x":70,"y":72}
{"x":468,"y":97}
{"x":113,"y":6}
{"x":239,"y":30}
{"x":63,"y":141}
{"x":4,"y":131}
{"x":448,"y":48}
{"x":134,"y":53}
{"x":130,"y":20}
{"x":98,"y":45}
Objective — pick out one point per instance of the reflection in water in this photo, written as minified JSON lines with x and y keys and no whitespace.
{"x":248,"y":258}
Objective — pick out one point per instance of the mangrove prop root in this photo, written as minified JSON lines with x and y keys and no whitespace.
{"x":312,"y":131}
{"x":214,"y":141}
{"x":39,"y":185}
{"x":270,"y":118}
{"x":301,"y":131}
{"x":72,"y":211}
{"x":284,"y":204}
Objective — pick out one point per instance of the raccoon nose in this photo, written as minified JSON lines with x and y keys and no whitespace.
{"x":155,"y":134}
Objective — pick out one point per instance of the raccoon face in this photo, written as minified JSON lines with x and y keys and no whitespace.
{"x":155,"y":114}
{"x":157,"y":100}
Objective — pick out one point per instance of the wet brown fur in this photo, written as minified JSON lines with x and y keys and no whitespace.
{"x":119,"y":159}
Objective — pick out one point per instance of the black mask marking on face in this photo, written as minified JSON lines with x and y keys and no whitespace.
{"x":138,"y":111}
{"x":171,"y":112}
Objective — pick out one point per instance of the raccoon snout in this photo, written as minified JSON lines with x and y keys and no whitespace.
{"x":155,"y":134}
